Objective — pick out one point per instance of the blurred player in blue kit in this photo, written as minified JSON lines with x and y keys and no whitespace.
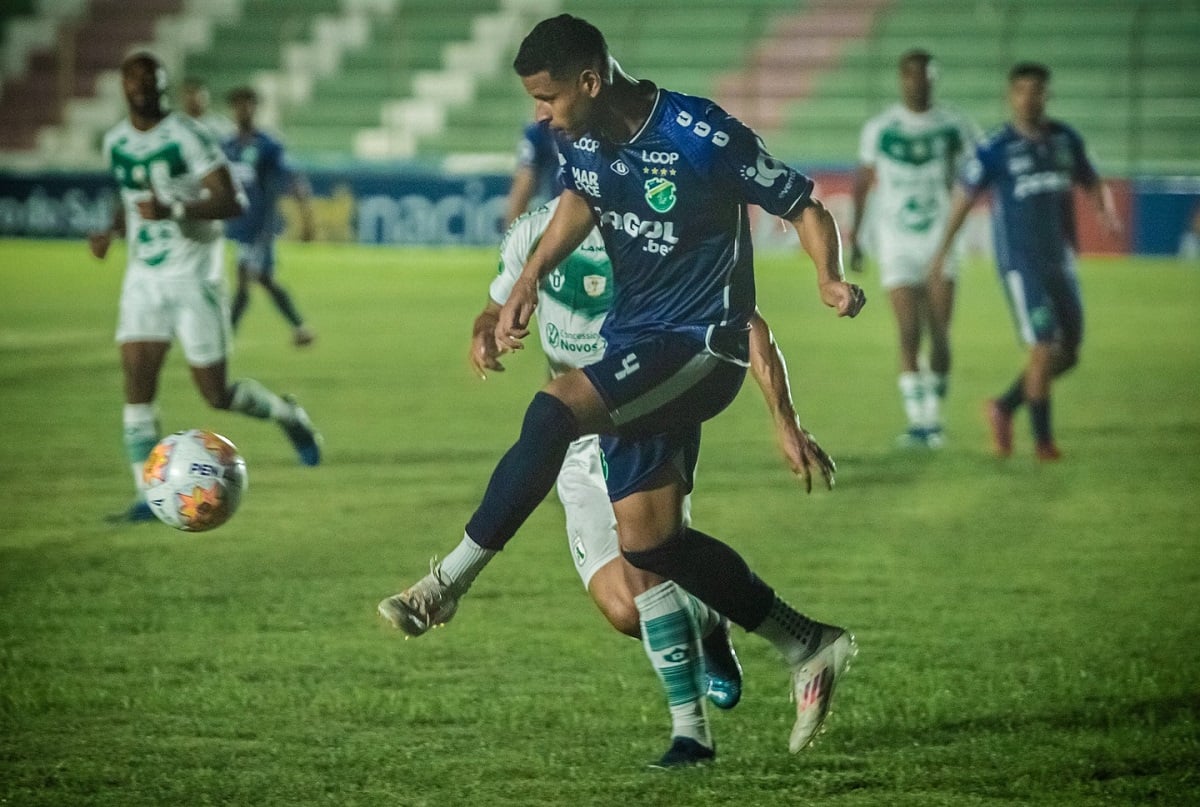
{"x":1031,"y":165}
{"x":175,"y":188}
{"x":665,"y":178}
{"x":260,"y":163}
{"x":535,"y":180}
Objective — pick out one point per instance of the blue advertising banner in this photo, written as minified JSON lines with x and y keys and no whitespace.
{"x":371,"y":207}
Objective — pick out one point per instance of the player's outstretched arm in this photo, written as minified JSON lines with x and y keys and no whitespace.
{"x":485,"y":355}
{"x":1101,"y":198}
{"x":100,"y":240}
{"x":223,"y":200}
{"x":570,"y":224}
{"x":864,"y":177}
{"x":960,"y":204}
{"x":819,"y":236}
{"x":800,"y":448}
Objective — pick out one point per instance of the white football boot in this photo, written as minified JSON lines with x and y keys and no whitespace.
{"x":426,"y":604}
{"x":813,"y":682}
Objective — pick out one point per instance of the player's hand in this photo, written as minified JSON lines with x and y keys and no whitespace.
{"x":804,"y":456}
{"x":485,"y":353}
{"x":847,"y":298}
{"x":513,"y":323}
{"x":151,"y":209}
{"x":99,"y":242}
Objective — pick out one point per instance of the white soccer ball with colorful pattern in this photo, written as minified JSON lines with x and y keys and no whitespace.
{"x":194,"y":480}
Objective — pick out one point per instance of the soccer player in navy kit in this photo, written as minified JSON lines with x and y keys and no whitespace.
{"x":261,"y":165}
{"x":666,"y":179}
{"x":535,"y":181}
{"x":1031,"y":165}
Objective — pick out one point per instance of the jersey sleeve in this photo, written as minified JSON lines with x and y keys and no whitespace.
{"x":515,"y":249}
{"x":1083,"y":170}
{"x":980,"y":169}
{"x":742,"y":159}
{"x":527,"y":148}
{"x":868,"y":142}
{"x":201,"y":150}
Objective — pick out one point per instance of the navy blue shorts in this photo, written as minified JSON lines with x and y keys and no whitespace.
{"x":658,"y":391}
{"x":1046,"y":304}
{"x":257,"y":257}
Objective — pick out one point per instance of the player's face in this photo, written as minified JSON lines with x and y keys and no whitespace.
{"x":195,"y":101}
{"x":916,"y":83}
{"x":565,"y":103}
{"x":244,"y":110}
{"x":143,"y":82}
{"x":1027,"y":98}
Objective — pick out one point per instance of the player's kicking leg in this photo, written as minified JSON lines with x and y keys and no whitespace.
{"x":817,"y":653}
{"x":141,"y":363}
{"x":249,"y":397}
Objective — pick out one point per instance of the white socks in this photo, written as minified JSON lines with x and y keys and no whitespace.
{"x":253,"y":399}
{"x":672,"y":644}
{"x":794,"y":635}
{"x":464,"y":563}
{"x":140,"y":436}
{"x":922,"y":394}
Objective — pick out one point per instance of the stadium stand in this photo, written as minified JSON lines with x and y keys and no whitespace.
{"x":426,"y":79}
{"x":1124,"y":74}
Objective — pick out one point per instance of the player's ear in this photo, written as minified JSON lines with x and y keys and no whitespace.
{"x":590,"y":82}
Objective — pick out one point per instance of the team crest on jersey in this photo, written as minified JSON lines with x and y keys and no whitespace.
{"x":594,"y":285}
{"x":660,"y":194}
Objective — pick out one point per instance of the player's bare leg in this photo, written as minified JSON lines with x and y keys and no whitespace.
{"x":249,"y":397}
{"x":1045,"y":362}
{"x":141,"y":363}
{"x":907,"y":307}
{"x":939,"y":310}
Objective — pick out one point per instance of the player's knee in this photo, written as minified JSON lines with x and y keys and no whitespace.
{"x":548,"y":418}
{"x":662,"y":559}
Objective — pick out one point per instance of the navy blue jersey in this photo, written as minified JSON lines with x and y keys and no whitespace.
{"x":262,"y":168}
{"x":1031,"y":181}
{"x":671,"y":207}
{"x":538,"y":151}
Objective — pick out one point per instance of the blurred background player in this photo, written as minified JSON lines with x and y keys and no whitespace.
{"x":195,"y":101}
{"x":535,"y":180}
{"x":910,"y":154}
{"x":572,"y":303}
{"x":261,"y":165}
{"x":1031,"y":165}
{"x":175,"y":189}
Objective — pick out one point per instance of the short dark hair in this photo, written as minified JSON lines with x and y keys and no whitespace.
{"x":561,"y":46}
{"x":915,"y":55}
{"x":242,"y":93}
{"x":1035,"y":70}
{"x":193,"y":83}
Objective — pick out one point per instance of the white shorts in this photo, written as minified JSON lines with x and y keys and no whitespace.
{"x":591,"y":525}
{"x":912,"y":269}
{"x":194,"y":312}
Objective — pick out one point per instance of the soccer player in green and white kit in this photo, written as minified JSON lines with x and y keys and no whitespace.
{"x":572,"y":303}
{"x":911,"y":153}
{"x":175,"y":188}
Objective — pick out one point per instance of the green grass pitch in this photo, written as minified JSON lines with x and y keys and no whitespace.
{"x":1028,"y":632}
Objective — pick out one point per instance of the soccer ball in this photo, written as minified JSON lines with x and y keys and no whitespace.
{"x":194,"y":480}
